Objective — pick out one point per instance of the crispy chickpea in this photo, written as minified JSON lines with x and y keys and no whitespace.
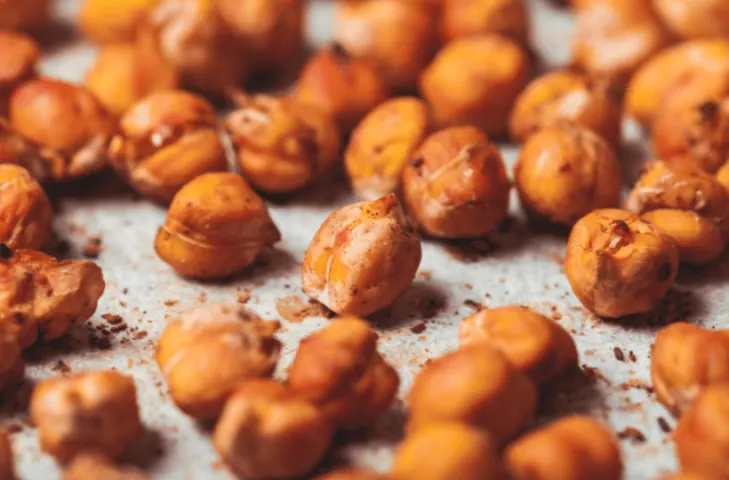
{"x":282,"y":144}
{"x":216,"y":226}
{"x":7,"y":468}
{"x":108,"y":21}
{"x":362,"y":258}
{"x":207,"y":351}
{"x":19,"y":56}
{"x":573,"y":448}
{"x":695,"y":18}
{"x":267,"y":432}
{"x":484,"y":390}
{"x":475,"y":81}
{"x":86,"y":466}
{"x":92,"y":411}
{"x":455,"y":184}
{"x":352,"y":474}
{"x":24,"y":14}
{"x":381,"y":145}
{"x":466,"y":18}
{"x":564,"y":173}
{"x":26,"y":215}
{"x":344,"y":87}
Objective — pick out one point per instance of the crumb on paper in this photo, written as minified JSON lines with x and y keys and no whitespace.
{"x":632,"y":434}
{"x":619,"y":355}
{"x":112,"y":318}
{"x":664,"y":425}
{"x":294,"y":309}
{"x":61,"y":367}
{"x":244,"y":296}
{"x":93,"y":247}
{"x":425,"y":274}
{"x":418,"y":327}
{"x":474,"y":305}
{"x":171,"y":303}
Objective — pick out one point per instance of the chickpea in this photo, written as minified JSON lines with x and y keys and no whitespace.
{"x":695,"y":19}
{"x":352,"y":474}
{"x":362,"y":258}
{"x":12,"y":368}
{"x":381,"y":145}
{"x":93,"y":411}
{"x":466,"y":18}
{"x":475,"y":81}
{"x":108,"y":21}
{"x":7,"y":468}
{"x":15,"y":150}
{"x":455,"y":184}
{"x":19,"y":56}
{"x":86,"y":466}
{"x":207,"y":351}
{"x":484,"y":391}
{"x":216,"y":226}
{"x":573,"y":448}
{"x":344,"y":87}
{"x":619,"y":264}
{"x":267,"y":432}
{"x":26,"y":216}
{"x":685,"y":476}
{"x":564,"y":173}
{"x":43,"y":298}
{"x":24,"y":15}
{"x":282,"y":144}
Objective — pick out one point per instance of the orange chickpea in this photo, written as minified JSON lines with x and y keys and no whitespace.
{"x":24,"y":15}
{"x":352,"y":474}
{"x":695,"y":18}
{"x":88,"y":466}
{"x":108,"y":21}
{"x":26,"y":216}
{"x":19,"y":56}
{"x":466,"y":18}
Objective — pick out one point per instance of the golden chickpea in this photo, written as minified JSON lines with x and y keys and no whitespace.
{"x":19,"y":56}
{"x":268,"y":432}
{"x":7,"y":468}
{"x":24,"y":15}
{"x":564,"y":173}
{"x":107,"y":21}
{"x":26,"y":216}
{"x":216,"y":226}
{"x":207,"y":351}
{"x":484,"y":390}
{"x":695,"y":18}
{"x":475,"y":81}
{"x":466,"y":18}
{"x":87,"y":466}
{"x":282,"y":144}
{"x":344,"y":87}
{"x":618,"y":264}
{"x":92,"y":411}
{"x":573,"y":448}
{"x":362,"y":258}
{"x":352,"y":474}
{"x":455,"y":184}
{"x":381,"y":145}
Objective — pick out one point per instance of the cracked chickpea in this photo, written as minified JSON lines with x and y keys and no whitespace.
{"x":207,"y":351}
{"x":695,"y":18}
{"x":165,"y":141}
{"x":86,"y":466}
{"x":24,"y":15}
{"x":108,"y":21}
{"x":19,"y":55}
{"x":363,"y":257}
{"x":466,"y":18}
{"x":216,"y":226}
{"x":26,"y":216}
{"x":7,"y":467}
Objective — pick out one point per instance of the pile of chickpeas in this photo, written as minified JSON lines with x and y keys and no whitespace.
{"x":410,"y":98}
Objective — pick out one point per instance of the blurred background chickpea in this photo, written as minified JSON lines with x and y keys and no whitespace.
{"x":24,"y":14}
{"x":92,"y":411}
{"x":165,"y":141}
{"x":108,"y":21}
{"x":619,"y":264}
{"x":534,"y":344}
{"x":573,"y":448}
{"x":484,"y":391}
{"x":362,"y":258}
{"x":564,"y":173}
{"x":282,"y":144}
{"x":502,"y":68}
{"x":12,"y":366}
{"x":455,"y":184}
{"x":26,"y":216}
{"x":7,"y":467}
{"x":339,"y":370}
{"x":207,"y":351}
{"x":695,"y":18}
{"x":467,"y":18}
{"x":267,"y":432}
{"x":19,"y":55}
{"x":216,"y":226}
{"x":88,"y":466}
{"x":381,"y":145}
{"x":352,"y":474}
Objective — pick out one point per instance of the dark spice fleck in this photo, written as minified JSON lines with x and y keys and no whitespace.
{"x":619,"y":354}
{"x":418,"y":327}
{"x":61,"y":367}
{"x":632,"y":357}
{"x":118,"y":328}
{"x":632,"y":434}
{"x":112,"y":318}
{"x":663,"y":423}
{"x":140,"y":335}
{"x":93,"y":248}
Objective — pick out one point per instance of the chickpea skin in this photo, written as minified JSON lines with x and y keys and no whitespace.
{"x":19,"y":55}
{"x":87,"y":466}
{"x":216,"y":226}
{"x":362,"y":258}
{"x":619,"y":264}
{"x":455,"y":184}
{"x":92,"y":411}
{"x":695,"y":18}
{"x":268,"y":432}
{"x":467,"y":18}
{"x":24,"y":15}
{"x":573,"y":448}
{"x":26,"y":216}
{"x":108,"y":21}
{"x":7,"y":467}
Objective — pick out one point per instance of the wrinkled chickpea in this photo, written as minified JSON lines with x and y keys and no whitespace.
{"x":467,"y":18}
{"x":7,"y":468}
{"x":502,"y":68}
{"x":266,"y":432}
{"x":484,"y":390}
{"x":352,"y":474}
{"x":381,"y":145}
{"x":344,"y":87}
{"x":12,"y":366}
{"x":108,"y":21}
{"x":19,"y":56}
{"x":92,"y":411}
{"x":43,"y":298}
{"x":455,"y":184}
{"x":24,"y":14}
{"x":26,"y":216}
{"x":216,"y":226}
{"x":362,"y":258}
{"x":282,"y":144}
{"x":87,"y":466}
{"x":564,"y":173}
{"x":573,"y":448}
{"x":534,"y":344}
{"x":207,"y":351}
{"x":165,"y":141}
{"x":695,"y":18}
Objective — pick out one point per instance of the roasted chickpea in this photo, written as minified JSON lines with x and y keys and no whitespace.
{"x":344,"y":87}
{"x":467,"y":18}
{"x":352,"y":474}
{"x":24,"y":15}
{"x":19,"y":56}
{"x":26,"y":215}
{"x":267,"y":432}
{"x":382,"y":144}
{"x":685,"y":476}
{"x":564,"y":173}
{"x":207,"y":351}
{"x":90,"y":411}
{"x":455,"y":184}
{"x":107,"y":21}
{"x":7,"y":468}
{"x":282,"y":144}
{"x":695,"y":19}
{"x":362,"y":258}
{"x":484,"y":390}
{"x":15,"y":150}
{"x":87,"y":466}
{"x":573,"y":448}
{"x":475,"y":81}
{"x":216,"y":226}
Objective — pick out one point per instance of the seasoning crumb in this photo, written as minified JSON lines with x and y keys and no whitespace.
{"x":14,"y":428}
{"x":171,"y":303}
{"x":295,"y":310}
{"x":112,"y":319}
{"x":244,"y":296}
{"x":619,"y":354}
{"x":556,"y":316}
{"x":93,"y":247}
{"x":118,"y":328}
{"x":140,"y":335}
{"x":665,"y":427}
{"x":473,"y":305}
{"x":632,"y":434}
{"x":418,"y":327}
{"x":425,"y":274}
{"x":61,"y":367}
{"x":632,"y":357}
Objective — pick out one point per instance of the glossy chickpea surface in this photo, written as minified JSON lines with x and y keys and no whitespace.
{"x":107,"y":21}
{"x":466,"y":18}
{"x":26,"y":215}
{"x":24,"y":15}
{"x":7,"y":468}
{"x":695,"y":18}
{"x":19,"y":56}
{"x":216,"y":226}
{"x":88,"y":466}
